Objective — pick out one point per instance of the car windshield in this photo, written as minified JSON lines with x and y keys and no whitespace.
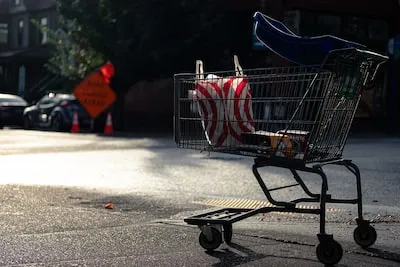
{"x":66,"y":97}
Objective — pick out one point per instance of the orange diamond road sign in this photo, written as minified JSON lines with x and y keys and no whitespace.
{"x":95,"y":94}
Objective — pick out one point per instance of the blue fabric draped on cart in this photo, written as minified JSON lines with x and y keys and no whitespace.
{"x":300,"y":50}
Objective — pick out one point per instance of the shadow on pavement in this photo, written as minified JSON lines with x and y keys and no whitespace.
{"x":384,"y":254}
{"x":237,"y":255}
{"x":139,"y":135}
{"x":230,"y":257}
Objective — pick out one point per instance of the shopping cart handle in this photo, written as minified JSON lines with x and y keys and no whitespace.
{"x":373,"y":55}
{"x":300,"y":50}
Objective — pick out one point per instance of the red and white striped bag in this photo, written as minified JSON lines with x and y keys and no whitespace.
{"x":238,"y":105}
{"x":224,"y":106}
{"x":211,"y":107}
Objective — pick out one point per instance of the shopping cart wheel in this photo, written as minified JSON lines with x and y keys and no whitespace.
{"x":365,"y":235}
{"x":228,"y":232}
{"x":329,"y":252}
{"x":211,"y":242}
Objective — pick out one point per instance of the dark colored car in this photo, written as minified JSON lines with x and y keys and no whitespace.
{"x":55,"y":111}
{"x":11,"y":110}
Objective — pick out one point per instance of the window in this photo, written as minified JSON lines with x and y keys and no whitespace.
{"x":45,"y":101}
{"x":20,"y":33}
{"x":43,"y":37}
{"x":328,"y":24}
{"x":292,"y":20}
{"x":354,"y":29}
{"x":377,"y":30}
{"x":307,"y":23}
{"x":3,"y":33}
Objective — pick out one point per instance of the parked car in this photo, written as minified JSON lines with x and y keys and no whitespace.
{"x":55,"y":111}
{"x":11,"y":110}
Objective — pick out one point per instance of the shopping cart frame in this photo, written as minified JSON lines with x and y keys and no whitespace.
{"x":216,"y":226}
{"x":222,"y":219}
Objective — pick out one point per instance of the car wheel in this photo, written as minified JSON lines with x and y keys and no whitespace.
{"x":27,"y":123}
{"x":57,"y":123}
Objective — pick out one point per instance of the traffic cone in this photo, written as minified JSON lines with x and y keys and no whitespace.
{"x":108,"y":129}
{"x":75,"y":123}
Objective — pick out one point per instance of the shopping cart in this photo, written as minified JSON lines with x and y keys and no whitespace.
{"x":295,"y":117}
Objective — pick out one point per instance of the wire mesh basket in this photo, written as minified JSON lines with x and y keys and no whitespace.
{"x":297,"y":112}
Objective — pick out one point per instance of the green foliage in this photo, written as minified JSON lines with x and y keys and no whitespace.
{"x":70,"y":60}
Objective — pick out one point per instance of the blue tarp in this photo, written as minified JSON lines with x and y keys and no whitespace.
{"x":300,"y":50}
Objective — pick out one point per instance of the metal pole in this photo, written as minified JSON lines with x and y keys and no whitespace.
{"x":394,"y":94}
{"x":394,"y":86}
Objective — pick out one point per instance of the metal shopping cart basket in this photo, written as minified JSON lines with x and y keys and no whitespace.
{"x":295,"y":117}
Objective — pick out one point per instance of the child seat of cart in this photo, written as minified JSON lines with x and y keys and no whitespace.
{"x":297,"y":49}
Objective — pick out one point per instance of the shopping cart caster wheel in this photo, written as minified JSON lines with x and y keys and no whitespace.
{"x":214,"y":243}
{"x":228,"y":232}
{"x":329,"y":252}
{"x":365,"y":236}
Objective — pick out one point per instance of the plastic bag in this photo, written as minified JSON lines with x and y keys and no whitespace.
{"x":225,"y":106}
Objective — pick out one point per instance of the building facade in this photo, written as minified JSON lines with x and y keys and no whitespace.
{"x":24,"y":49}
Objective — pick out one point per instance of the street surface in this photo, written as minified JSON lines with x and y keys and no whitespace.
{"x":54,"y":187}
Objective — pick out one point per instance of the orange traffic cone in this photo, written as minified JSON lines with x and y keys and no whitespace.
{"x":108,"y":129}
{"x":75,"y":123}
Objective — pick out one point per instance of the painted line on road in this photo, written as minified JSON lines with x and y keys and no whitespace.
{"x":253,"y":204}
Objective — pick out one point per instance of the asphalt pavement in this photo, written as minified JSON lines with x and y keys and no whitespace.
{"x":54,"y":188}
